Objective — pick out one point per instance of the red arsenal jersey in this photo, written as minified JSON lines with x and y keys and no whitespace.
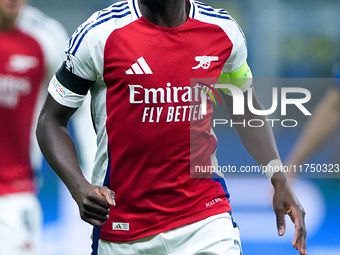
{"x":26,"y":58}
{"x":147,"y":113}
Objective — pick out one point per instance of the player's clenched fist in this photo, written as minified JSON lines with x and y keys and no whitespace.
{"x":94,"y":204}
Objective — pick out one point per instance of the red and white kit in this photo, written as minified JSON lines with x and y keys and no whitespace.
{"x":147,"y":115}
{"x":29,"y":55}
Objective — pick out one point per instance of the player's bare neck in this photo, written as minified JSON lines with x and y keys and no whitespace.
{"x":165,"y":13}
{"x":7,"y":24}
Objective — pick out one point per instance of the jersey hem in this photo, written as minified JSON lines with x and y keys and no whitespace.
{"x":165,"y":226}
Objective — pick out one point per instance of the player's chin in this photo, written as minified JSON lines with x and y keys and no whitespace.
{"x":153,"y":3}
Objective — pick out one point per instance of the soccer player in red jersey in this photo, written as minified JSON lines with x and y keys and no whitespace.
{"x":30,"y":44}
{"x":137,"y":58}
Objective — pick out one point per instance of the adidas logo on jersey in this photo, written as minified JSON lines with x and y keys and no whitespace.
{"x":120,"y":226}
{"x":140,"y":67}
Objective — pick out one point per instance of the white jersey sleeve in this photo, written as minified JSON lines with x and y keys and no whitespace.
{"x":79,"y":50}
{"x":238,"y":54}
{"x":84,"y":59}
{"x":78,"y":68}
{"x":85,"y":48}
{"x":224,"y":20}
{"x":235,"y":70}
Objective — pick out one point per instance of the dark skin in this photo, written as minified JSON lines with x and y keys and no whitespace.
{"x":284,"y":199}
{"x":165,"y":13}
{"x":94,"y":202}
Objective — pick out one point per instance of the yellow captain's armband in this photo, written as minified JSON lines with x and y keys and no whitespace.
{"x":241,"y":78}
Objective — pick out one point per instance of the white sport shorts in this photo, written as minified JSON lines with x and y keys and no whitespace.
{"x":215,"y":235}
{"x":20,"y":224}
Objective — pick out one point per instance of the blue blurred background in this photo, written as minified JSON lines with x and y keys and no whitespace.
{"x":286,"y":39}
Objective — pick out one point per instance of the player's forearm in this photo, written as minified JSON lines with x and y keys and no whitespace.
{"x":59,"y":151}
{"x":320,"y":127}
{"x":259,"y":141}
